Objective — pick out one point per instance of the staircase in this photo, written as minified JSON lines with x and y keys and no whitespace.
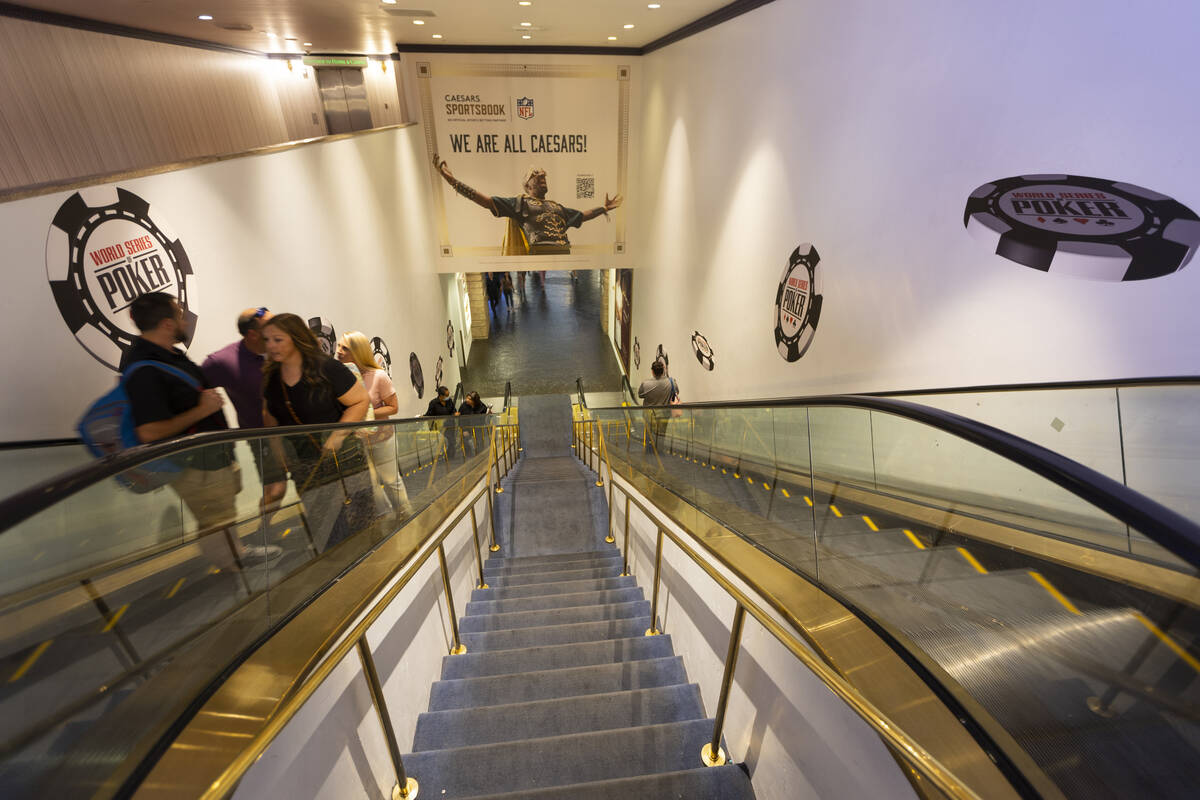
{"x":561,"y":695}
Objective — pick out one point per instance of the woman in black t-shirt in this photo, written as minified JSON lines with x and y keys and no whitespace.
{"x":302,"y":386}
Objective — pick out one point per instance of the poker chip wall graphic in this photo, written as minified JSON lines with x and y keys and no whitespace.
{"x":798,"y":302}
{"x":326,"y":335}
{"x":416,"y":375}
{"x":637,"y":353}
{"x":437,"y":373}
{"x":383,"y":358}
{"x":703,"y":350}
{"x":104,"y":249}
{"x":1082,"y":227}
{"x":450,"y":336}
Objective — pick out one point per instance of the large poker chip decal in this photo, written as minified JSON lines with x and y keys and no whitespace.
{"x":326,"y":335}
{"x":415,"y":375}
{"x":703,"y":350}
{"x":798,"y":303}
{"x":450,"y":337}
{"x":637,"y":353}
{"x":661,"y":355}
{"x":382,"y":357}
{"x":437,"y":373}
{"x":1083,"y":227}
{"x":103,"y":251}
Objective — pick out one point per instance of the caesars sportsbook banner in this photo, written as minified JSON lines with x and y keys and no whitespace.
{"x":528,"y":163}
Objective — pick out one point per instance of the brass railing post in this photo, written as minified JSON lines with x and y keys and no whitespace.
{"x":459,"y":648}
{"x":492,"y":523}
{"x":405,"y":787}
{"x":653,"y":630}
{"x":711,"y":754}
{"x":494,"y":461}
{"x":475,"y":537}
{"x":625,"y":570}
{"x":599,"y":460}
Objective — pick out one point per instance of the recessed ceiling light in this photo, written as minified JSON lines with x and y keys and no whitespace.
{"x":612,"y":38}
{"x":526,"y":24}
{"x":524,"y":3}
{"x":437,"y":36}
{"x":630,"y":25}
{"x":389,"y":2}
{"x":308,"y":44}
{"x":418,"y":22}
{"x":272,"y":35}
{"x":649,"y":5}
{"x":205,"y":17}
{"x":526,"y":36}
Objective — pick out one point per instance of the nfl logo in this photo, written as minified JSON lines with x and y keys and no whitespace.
{"x":525,"y":107}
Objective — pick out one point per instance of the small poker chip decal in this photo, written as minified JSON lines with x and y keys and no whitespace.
{"x":415,"y":375}
{"x":103,"y":250}
{"x":661,"y":355}
{"x":437,"y":373}
{"x":703,"y":350}
{"x":382,"y":356}
{"x":326,"y":335}
{"x":450,"y":336}
{"x":1081,"y":227}
{"x":798,"y":303}
{"x":637,"y":353}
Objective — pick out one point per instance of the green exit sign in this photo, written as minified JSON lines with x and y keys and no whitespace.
{"x":336,"y":61}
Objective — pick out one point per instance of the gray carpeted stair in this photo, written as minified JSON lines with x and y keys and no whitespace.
{"x":562,"y":695}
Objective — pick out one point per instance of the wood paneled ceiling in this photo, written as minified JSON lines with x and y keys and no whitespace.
{"x":375,"y":27}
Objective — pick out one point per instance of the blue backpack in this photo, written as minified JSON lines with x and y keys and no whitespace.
{"x":107,"y":428}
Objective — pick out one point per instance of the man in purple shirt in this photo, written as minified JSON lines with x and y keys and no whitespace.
{"x":237,"y":368}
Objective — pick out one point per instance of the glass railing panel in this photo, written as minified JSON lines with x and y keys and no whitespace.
{"x":22,"y":467}
{"x":1161,"y":438}
{"x":137,"y":579}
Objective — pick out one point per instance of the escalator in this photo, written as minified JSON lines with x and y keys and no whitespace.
{"x":1053,"y":612}
{"x":1033,"y":610}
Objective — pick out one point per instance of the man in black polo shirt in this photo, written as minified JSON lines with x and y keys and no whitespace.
{"x":164,"y":407}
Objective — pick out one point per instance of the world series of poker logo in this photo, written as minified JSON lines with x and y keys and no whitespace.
{"x":103,"y":251}
{"x":1083,"y":227}
{"x":798,"y":302}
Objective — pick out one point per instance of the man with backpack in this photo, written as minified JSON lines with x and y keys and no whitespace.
{"x":164,"y":405}
{"x":660,"y":391}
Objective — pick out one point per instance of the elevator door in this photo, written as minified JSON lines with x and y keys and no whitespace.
{"x":344,"y":99}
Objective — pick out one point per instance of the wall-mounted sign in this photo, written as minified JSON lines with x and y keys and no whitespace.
{"x":529,"y":160}
{"x":798,"y":302}
{"x":416,"y":375}
{"x":326,"y":335}
{"x":382,"y":357}
{"x":352,"y":62}
{"x":104,"y":250}
{"x":1083,"y":227}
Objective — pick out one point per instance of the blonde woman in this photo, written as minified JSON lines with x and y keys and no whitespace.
{"x":353,"y":348}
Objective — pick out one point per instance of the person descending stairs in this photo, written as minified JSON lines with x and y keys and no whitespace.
{"x":560,"y":693}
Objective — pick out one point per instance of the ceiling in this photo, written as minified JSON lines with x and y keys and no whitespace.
{"x":374,"y":27}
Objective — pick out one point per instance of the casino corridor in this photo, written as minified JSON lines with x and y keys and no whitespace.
{"x":549,"y":337}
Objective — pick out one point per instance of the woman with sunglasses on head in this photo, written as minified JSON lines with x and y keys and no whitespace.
{"x":353,"y":348}
{"x":302,"y":386}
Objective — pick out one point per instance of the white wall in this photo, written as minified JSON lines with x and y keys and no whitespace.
{"x":862,"y":127}
{"x":338,"y":229}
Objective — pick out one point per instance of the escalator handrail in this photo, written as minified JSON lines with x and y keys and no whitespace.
{"x":628,"y":387}
{"x":1167,"y":528}
{"x":579,"y":387}
{"x":37,"y":498}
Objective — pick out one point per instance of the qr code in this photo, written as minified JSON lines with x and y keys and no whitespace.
{"x":585,"y":186}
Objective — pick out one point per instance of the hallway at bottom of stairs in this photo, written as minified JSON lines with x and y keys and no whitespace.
{"x":562,"y":695}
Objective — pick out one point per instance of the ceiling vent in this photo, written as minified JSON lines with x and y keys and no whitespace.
{"x":235,"y":26}
{"x":410,"y":12}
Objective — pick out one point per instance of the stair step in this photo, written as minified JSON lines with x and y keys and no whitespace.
{"x":598,"y":573}
{"x":556,"y":634}
{"x":533,"y":569}
{"x":553,"y":616}
{"x":560,"y":760}
{"x":563,"y":587}
{"x":547,"y":684}
{"x":539,"y":719}
{"x":558,"y":656}
{"x":728,"y":782}
{"x":540,"y":603}
{"x":551,"y":559}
